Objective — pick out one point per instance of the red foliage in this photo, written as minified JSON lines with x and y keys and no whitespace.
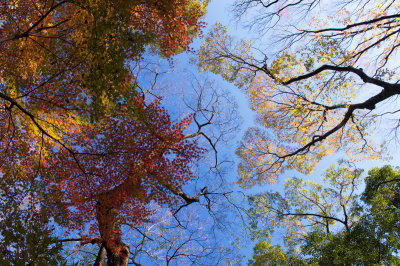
{"x":71,"y":119}
{"x":128,"y":164}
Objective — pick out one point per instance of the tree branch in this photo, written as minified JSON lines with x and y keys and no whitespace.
{"x":27,"y":32}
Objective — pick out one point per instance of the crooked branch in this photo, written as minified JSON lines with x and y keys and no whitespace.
{"x":388,"y":90}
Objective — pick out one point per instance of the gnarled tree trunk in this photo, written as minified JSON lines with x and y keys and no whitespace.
{"x":107,"y":217}
{"x":120,"y":258}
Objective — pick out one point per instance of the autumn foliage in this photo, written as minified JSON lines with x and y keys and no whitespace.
{"x":72,"y":117}
{"x":322,"y":90}
{"x":60,"y":54}
{"x":125,"y":164}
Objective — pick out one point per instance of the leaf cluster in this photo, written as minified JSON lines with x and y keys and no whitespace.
{"x":331,"y":225}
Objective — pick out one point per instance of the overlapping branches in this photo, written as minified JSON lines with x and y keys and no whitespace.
{"x":316,"y":95}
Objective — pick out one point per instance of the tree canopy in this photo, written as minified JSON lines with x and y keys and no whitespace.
{"x":330,"y":223}
{"x":321,"y":85}
{"x":92,"y":152}
{"x":82,"y":146}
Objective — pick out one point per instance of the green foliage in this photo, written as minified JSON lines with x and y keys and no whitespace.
{"x":27,"y":238}
{"x":26,"y":233}
{"x":361,"y":245}
{"x":382,"y":195}
{"x":214,"y":55}
{"x":330,"y":224}
{"x":266,"y":254}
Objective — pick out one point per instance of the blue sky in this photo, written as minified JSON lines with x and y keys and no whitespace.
{"x":220,"y":11}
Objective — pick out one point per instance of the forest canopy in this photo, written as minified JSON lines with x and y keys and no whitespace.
{"x":330,"y":222}
{"x":82,"y":145}
{"x":330,"y":81}
{"x":109,"y":157}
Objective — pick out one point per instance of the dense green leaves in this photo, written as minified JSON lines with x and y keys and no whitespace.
{"x":26,"y":231}
{"x":266,"y":254}
{"x":330,"y":224}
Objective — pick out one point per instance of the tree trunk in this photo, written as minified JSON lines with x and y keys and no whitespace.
{"x":101,"y":257}
{"x":110,"y":232}
{"x":115,"y":257}
{"x":119,"y":256}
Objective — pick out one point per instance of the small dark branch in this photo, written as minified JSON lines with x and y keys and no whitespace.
{"x":28,"y":31}
{"x":188,"y":199}
{"x":200,"y":132}
{"x":68,"y":240}
{"x":47,"y":81}
{"x":144,"y":234}
{"x":320,"y":138}
{"x":8,"y":108}
{"x":358,"y":72}
{"x":381,"y":40}
{"x":389,"y":90}
{"x":343,"y":205}
{"x":51,"y":27}
{"x":386,"y":182}
{"x":367,"y":22}
{"x":192,"y":199}
{"x":175,"y":254}
{"x":327,"y":227}
{"x":139,"y":247}
{"x":312,"y":214}
{"x":41,"y":129}
{"x":386,"y":58}
{"x":316,"y":203}
{"x":359,"y":132}
{"x":208,"y":202}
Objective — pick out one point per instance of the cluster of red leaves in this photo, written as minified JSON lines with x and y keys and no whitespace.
{"x":172,"y":21}
{"x":128,"y":164}
{"x":71,"y":118}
